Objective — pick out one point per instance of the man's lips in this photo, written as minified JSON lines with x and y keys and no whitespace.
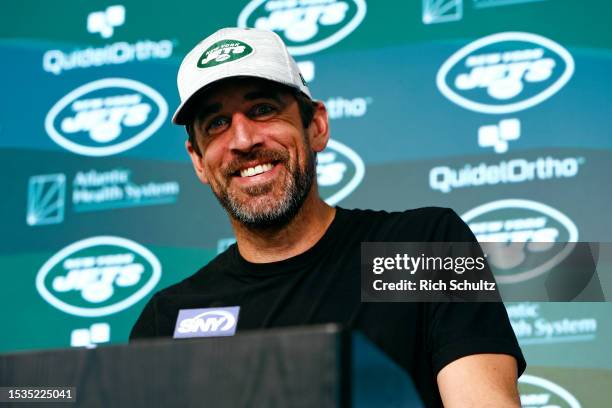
{"x":257,"y":174}
{"x":256,"y":170}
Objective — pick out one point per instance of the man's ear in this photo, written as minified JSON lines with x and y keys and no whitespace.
{"x":197,"y":161}
{"x":318,"y":130}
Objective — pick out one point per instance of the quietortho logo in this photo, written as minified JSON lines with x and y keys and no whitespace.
{"x":58,"y":61}
{"x":446,"y":179}
{"x":105,"y":23}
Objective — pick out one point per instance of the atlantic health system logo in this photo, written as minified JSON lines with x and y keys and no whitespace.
{"x":106,"y":117}
{"x":306,"y":26}
{"x":533,"y":323}
{"x":98,"y":276}
{"x":46,"y":199}
{"x":505,"y":72}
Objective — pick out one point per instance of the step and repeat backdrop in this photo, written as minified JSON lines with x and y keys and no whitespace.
{"x":499,"y":109}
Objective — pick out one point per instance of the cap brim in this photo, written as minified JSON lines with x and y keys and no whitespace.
{"x":185,"y":112}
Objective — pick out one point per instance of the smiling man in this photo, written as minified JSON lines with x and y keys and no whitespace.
{"x":254,"y":132}
{"x":254,"y":141}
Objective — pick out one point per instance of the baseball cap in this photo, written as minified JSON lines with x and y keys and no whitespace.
{"x":235,"y":52}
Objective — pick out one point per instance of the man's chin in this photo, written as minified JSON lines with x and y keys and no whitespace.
{"x":257,"y":192}
{"x":258,"y":205}
{"x":262,"y":211}
{"x":271,"y":203}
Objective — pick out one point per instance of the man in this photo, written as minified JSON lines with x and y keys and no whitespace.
{"x":254,"y":132}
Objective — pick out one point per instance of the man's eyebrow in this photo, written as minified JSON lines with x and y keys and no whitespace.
{"x":263,"y":94}
{"x":207,"y":111}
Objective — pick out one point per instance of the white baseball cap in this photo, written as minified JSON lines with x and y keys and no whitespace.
{"x":235,"y":52}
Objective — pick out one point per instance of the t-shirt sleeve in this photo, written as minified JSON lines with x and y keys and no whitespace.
{"x":146,"y":325}
{"x":460,"y":329}
{"x":451,"y":228}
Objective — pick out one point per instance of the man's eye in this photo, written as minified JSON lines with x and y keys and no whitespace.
{"x":216,"y":124}
{"x":262,"y":110}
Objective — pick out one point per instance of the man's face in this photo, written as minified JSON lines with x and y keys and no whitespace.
{"x":255,"y":153}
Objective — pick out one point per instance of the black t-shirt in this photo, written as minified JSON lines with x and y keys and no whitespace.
{"x":322,"y":285}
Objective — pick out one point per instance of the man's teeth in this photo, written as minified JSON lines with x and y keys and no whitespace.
{"x":253,"y":171}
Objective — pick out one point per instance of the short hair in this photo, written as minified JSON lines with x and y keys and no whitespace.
{"x":306,"y":107}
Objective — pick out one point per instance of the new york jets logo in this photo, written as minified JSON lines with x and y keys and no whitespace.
{"x":339,"y":171}
{"x":98,"y":276}
{"x":505,"y":72}
{"x":306,"y":26}
{"x":106,"y":117}
{"x":519,"y":237}
{"x":538,"y":392}
{"x":222,"y":52}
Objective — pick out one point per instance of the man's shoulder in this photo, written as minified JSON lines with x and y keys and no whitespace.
{"x":412,"y":225}
{"x":205,"y":279}
{"x":412,"y":213}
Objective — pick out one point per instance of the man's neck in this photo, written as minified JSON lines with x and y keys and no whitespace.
{"x":294,"y":238}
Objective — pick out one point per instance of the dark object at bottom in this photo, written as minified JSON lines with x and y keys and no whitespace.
{"x":319,"y":366}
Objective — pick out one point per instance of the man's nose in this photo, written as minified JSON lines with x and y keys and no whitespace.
{"x":244,"y":133}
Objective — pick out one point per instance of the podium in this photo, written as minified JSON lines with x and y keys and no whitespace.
{"x":315,"y":366}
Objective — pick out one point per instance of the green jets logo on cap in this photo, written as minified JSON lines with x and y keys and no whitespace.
{"x":222,"y":52}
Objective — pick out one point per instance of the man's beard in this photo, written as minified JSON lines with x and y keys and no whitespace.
{"x":269,"y":214}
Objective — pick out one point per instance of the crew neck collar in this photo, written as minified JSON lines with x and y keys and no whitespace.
{"x":241,"y":266}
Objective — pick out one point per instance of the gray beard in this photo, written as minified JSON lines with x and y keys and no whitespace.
{"x":279,"y":215}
